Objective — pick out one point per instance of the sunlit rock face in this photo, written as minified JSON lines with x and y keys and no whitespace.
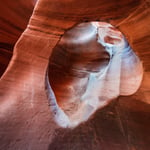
{"x":90,"y":66}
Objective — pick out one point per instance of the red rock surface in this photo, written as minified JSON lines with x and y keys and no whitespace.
{"x":25,"y":120}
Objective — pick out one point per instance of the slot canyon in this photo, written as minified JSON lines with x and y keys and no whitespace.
{"x":75,"y":75}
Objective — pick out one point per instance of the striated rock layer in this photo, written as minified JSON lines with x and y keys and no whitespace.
{"x":90,"y":66}
{"x":25,"y":119}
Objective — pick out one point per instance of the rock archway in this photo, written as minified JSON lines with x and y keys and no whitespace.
{"x":25,"y":119}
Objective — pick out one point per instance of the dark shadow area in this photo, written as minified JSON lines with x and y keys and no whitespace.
{"x":123,"y":125}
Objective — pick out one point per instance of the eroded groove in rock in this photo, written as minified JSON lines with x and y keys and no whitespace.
{"x":90,"y":67}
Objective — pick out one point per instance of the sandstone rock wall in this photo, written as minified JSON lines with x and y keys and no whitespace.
{"x":25,"y":119}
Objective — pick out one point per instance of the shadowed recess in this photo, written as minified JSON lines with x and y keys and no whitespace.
{"x":91,"y":65}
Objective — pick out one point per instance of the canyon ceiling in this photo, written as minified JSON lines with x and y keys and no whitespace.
{"x":29,"y":31}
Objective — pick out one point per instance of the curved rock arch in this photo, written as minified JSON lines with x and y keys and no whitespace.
{"x":22,"y":86}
